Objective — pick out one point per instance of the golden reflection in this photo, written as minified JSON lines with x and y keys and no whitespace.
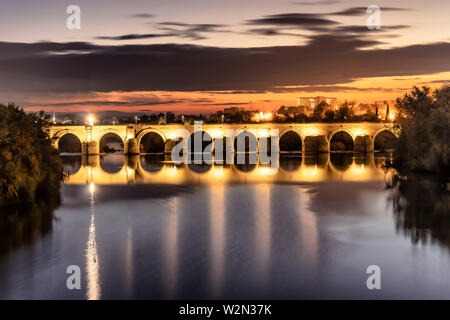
{"x":309,"y":244}
{"x":129,"y":259}
{"x":170,"y":252}
{"x":263,"y":234}
{"x":345,"y":167}
{"x":217,"y":234}
{"x":92,"y":265}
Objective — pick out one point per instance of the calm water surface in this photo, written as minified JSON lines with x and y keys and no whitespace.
{"x":144,"y":228}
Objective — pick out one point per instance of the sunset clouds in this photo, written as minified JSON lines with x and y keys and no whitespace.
{"x":172,"y":65}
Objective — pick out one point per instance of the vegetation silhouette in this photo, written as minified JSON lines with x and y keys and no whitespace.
{"x":30,"y":167}
{"x":421,"y":204}
{"x":424,"y":119}
{"x":420,"y":194}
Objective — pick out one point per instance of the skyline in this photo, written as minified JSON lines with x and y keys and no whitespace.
{"x":199,"y":57}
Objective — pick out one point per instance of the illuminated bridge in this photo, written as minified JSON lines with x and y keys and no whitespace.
{"x":298,"y":137}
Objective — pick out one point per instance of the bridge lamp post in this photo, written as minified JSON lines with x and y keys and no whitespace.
{"x":91,"y":120}
{"x":89,"y":125}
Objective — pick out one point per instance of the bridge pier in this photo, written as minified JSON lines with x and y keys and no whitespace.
{"x":363,"y":144}
{"x":170,"y":144}
{"x":90,"y":148}
{"x":316,"y":144}
{"x":131,"y":146}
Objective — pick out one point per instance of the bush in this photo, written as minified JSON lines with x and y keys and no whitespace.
{"x":425,"y":132}
{"x":29,"y":165}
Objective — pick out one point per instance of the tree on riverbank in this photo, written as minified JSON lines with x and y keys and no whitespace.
{"x":29,"y":165}
{"x":424,"y":118}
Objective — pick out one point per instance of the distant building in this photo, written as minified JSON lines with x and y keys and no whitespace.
{"x":233,"y":110}
{"x":291,"y":111}
{"x":383,"y":108}
{"x":312,"y":102}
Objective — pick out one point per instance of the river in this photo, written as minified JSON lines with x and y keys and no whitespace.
{"x":143,"y":228}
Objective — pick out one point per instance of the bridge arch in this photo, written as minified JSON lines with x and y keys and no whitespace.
{"x":153,"y":132}
{"x":291,"y":141}
{"x":152,"y":143}
{"x":341,"y":140}
{"x":250,"y":141}
{"x":111,"y":135}
{"x":206,"y":141}
{"x":384,"y":139}
{"x":69,"y":137}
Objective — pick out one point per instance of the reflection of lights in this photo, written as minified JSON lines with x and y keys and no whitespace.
{"x":266,"y":171}
{"x":92,"y":266}
{"x":217,"y":171}
{"x":129,"y":171}
{"x":172,"y":171}
{"x":92,"y":187}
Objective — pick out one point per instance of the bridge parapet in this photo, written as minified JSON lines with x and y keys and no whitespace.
{"x":315,"y":137}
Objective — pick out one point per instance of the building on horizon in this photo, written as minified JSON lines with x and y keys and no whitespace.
{"x":312,"y":102}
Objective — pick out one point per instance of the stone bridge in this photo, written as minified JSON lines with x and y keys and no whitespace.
{"x":312,"y":137}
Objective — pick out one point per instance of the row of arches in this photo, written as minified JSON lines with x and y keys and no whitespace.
{"x":201,"y":141}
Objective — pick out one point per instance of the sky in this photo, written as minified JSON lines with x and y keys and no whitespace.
{"x":200,"y":56}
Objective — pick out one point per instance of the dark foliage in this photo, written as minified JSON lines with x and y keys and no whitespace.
{"x":29,"y":165}
{"x":421,"y":204}
{"x":424,"y":118}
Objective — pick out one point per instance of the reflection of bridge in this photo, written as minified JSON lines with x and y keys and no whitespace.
{"x":304,"y":169}
{"x":315,"y":137}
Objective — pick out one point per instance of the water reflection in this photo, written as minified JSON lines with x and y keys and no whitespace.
{"x":157,"y":230}
{"x":421,"y":205}
{"x":171,"y":250}
{"x":92,"y":264}
{"x":23,"y":225}
{"x":144,"y":170}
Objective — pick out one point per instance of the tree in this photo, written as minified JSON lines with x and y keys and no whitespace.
{"x":319,"y":111}
{"x":425,"y":132}
{"x":344,"y":113}
{"x":329,"y":116}
{"x":29,"y":165}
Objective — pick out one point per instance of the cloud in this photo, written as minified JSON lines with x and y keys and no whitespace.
{"x":356,"y":11}
{"x":327,"y":59}
{"x":134,"y":36}
{"x":316,"y":3}
{"x":364,"y":30}
{"x":333,"y":89}
{"x":272,"y":32}
{"x":172,"y":29}
{"x":436,"y":81}
{"x":142,"y":15}
{"x":293,"y":20}
{"x":110,"y":103}
{"x":188,"y":30}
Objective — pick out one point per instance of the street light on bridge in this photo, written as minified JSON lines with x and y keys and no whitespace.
{"x":91,"y":120}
